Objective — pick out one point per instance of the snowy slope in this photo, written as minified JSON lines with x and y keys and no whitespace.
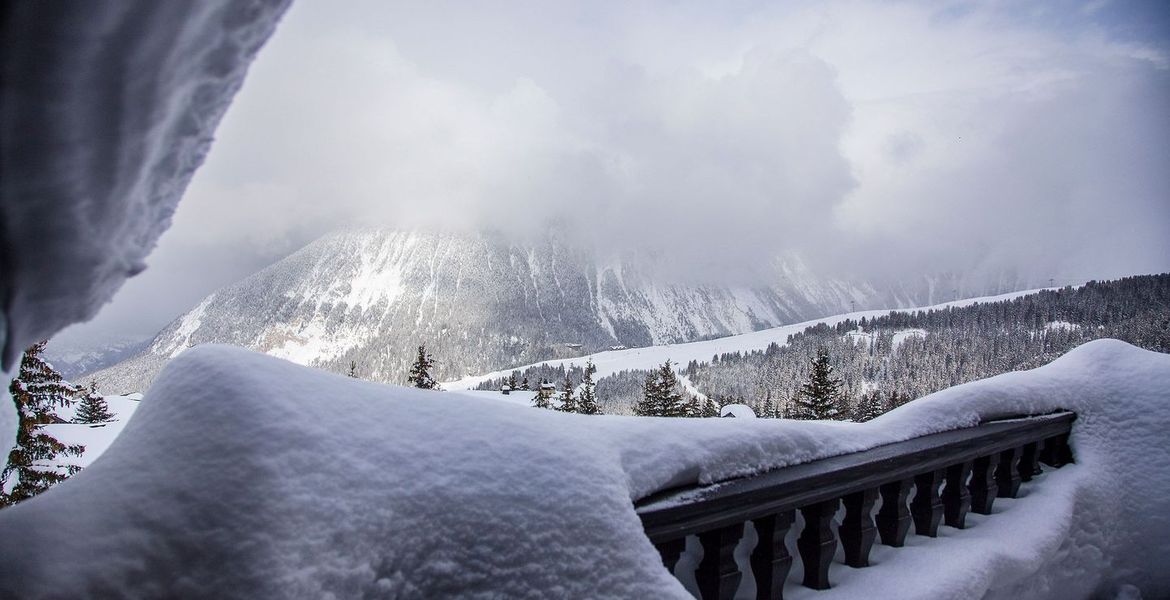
{"x":236,"y":479}
{"x":481,"y":302}
{"x":613,"y":361}
{"x":95,"y":438}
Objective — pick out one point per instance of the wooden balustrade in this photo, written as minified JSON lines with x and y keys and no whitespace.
{"x":972,"y":467}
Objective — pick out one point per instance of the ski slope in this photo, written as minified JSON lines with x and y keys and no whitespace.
{"x":614,"y":361}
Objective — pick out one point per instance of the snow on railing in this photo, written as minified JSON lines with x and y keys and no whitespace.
{"x":972,"y":467}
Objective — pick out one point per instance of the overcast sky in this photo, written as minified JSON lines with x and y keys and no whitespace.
{"x":892,"y":136}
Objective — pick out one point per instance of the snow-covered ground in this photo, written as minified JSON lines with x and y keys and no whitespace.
{"x":243,"y":475}
{"x":95,"y":438}
{"x":614,"y":361}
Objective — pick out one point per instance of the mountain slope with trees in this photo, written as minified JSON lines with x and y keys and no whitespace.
{"x":485,"y":301}
{"x":886,"y":361}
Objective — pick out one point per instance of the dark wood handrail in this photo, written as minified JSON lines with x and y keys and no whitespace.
{"x":973,"y":465}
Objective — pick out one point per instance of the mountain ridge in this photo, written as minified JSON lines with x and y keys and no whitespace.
{"x":482,"y":302}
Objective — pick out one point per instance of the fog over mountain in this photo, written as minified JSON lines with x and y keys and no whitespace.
{"x":878,"y":141}
{"x":482,"y":302}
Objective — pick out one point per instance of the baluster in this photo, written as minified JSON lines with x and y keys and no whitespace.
{"x":927,"y":507}
{"x":1007,"y":476}
{"x":857,"y":530}
{"x":982,"y":486}
{"x":717,"y":575}
{"x":817,"y":543}
{"x":1056,"y":451}
{"x":670,"y":551}
{"x":1063,"y":451}
{"x":1046,"y":455}
{"x":893,"y":520}
{"x":956,"y":497}
{"x":770,"y":559}
{"x":1030,"y":461}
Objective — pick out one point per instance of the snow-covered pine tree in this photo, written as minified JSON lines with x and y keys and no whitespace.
{"x":93,"y":408}
{"x":819,"y":396}
{"x":37,"y":390}
{"x":420,"y":372}
{"x":670,"y":397}
{"x":525,"y":385}
{"x":568,"y":401}
{"x":710,"y":409}
{"x":512,"y":383}
{"x":352,"y":369}
{"x":869,"y":407}
{"x":651,"y":403}
{"x":587,"y":402}
{"x":768,"y":411}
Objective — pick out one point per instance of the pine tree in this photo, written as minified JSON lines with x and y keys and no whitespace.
{"x":710,"y":409}
{"x":37,"y":390}
{"x":352,"y":369}
{"x":568,"y":402}
{"x":768,"y":411}
{"x":512,"y":384}
{"x":670,"y":398}
{"x":869,"y":407}
{"x":93,"y":408}
{"x":587,"y":402}
{"x":524,"y":385}
{"x":420,"y":371}
{"x":819,"y":396}
{"x":660,"y":394}
{"x":651,"y":403}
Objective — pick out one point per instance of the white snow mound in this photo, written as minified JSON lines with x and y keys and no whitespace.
{"x":242,"y":475}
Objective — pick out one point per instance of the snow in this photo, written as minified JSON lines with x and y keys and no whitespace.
{"x":515,"y":398}
{"x":739,"y":411}
{"x":903,"y":335}
{"x":109,"y":107}
{"x":95,"y":438}
{"x":309,"y":342}
{"x":1061,"y":326}
{"x":614,"y":361}
{"x":245,"y":475}
{"x":188,"y":325}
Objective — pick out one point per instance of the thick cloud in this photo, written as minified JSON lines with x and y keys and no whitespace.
{"x":877,"y":137}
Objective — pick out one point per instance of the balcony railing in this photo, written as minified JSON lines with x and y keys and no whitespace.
{"x":972,"y":467}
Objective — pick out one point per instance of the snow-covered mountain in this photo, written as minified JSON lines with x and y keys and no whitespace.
{"x":75,"y":358}
{"x":483,"y":301}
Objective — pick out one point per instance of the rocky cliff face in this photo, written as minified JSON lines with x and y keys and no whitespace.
{"x":481,"y":302}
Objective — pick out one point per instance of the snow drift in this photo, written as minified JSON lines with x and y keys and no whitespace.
{"x":109,"y":107}
{"x":242,"y":475}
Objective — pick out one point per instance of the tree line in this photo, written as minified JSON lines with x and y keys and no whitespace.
{"x":887,"y":361}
